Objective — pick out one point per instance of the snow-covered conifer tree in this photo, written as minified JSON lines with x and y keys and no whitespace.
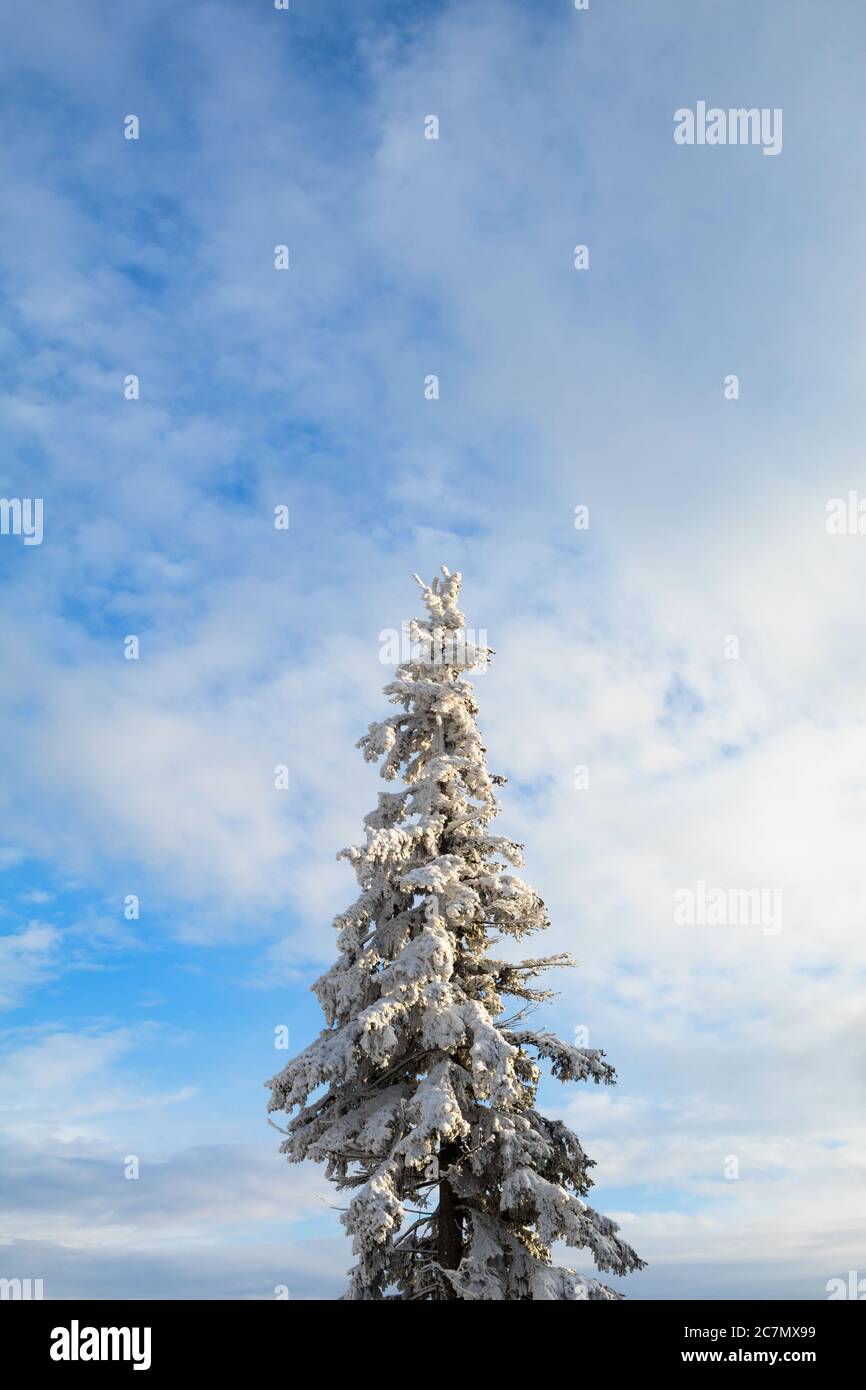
{"x":420,"y":1092}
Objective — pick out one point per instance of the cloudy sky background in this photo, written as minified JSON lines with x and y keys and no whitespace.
{"x":558,"y":388}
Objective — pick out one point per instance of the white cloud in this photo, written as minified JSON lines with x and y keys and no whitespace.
{"x":27,"y":958}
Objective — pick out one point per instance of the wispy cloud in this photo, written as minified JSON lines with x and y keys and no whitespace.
{"x":27,"y":958}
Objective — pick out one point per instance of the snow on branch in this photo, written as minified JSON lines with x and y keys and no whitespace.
{"x":569,"y":1063}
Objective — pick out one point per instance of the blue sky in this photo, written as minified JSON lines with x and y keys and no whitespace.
{"x":558,"y":388}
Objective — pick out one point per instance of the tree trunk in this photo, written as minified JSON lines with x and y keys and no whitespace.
{"x":449,"y":1223}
